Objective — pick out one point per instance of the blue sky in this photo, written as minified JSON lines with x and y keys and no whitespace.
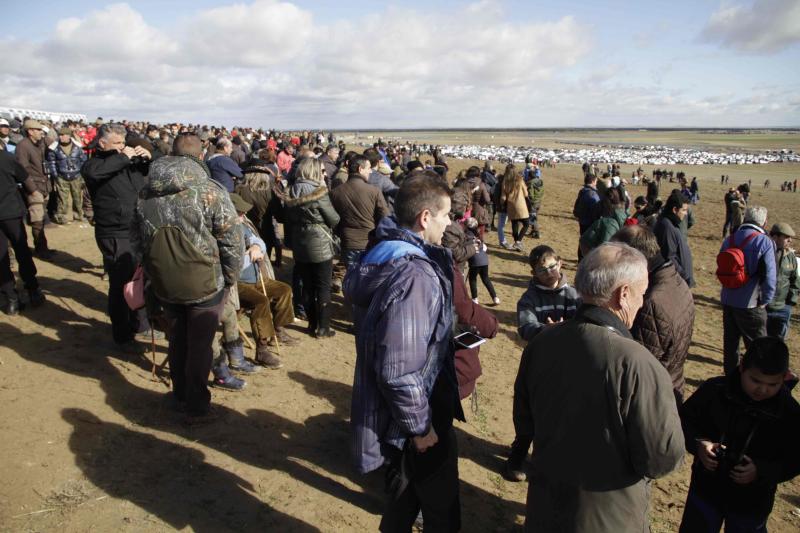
{"x":491,"y":63}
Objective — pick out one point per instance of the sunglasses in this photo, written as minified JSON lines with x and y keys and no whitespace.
{"x":546,"y":269}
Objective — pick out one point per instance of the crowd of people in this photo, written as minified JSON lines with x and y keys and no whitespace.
{"x":200,"y":216}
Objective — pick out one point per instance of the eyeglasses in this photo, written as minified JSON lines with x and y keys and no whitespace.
{"x":546,"y":269}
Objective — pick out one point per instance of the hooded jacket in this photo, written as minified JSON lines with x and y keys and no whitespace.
{"x":587,"y":206}
{"x":181,"y":194}
{"x":674,"y":246}
{"x":602,"y":230}
{"x":402,"y":297}
{"x":604,"y":419}
{"x":114,"y":182}
{"x":759,"y":262}
{"x":310,"y":220}
{"x":720,"y":411}
{"x":665,"y":322}
{"x":538,"y":303}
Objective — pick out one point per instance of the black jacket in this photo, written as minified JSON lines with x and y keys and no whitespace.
{"x":12,"y":175}
{"x":114,"y":182}
{"x":720,"y":411}
{"x":674,"y":246}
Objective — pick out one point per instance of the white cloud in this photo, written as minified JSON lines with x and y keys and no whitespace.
{"x":765,"y":26}
{"x":271,"y":63}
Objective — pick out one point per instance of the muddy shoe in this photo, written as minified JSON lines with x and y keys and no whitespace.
{"x":323,"y":333}
{"x":265,"y":357}
{"x":513,"y":471}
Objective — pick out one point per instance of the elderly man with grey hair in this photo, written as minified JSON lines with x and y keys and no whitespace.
{"x":114,"y":177}
{"x":744,"y":313}
{"x":599,"y":405}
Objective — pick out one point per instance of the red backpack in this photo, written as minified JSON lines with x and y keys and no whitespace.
{"x":731,"y":270}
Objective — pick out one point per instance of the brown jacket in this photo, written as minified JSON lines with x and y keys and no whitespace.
{"x":515,"y":204}
{"x":665,"y":322}
{"x":31,"y":157}
{"x":360,"y":207}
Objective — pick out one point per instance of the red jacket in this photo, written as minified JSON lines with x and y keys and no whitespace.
{"x":468,"y":365}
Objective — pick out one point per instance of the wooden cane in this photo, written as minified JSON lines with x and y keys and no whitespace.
{"x":153,"y":349}
{"x":244,"y":336}
{"x":264,"y":290}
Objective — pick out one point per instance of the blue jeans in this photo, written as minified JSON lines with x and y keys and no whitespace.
{"x":501,"y":224}
{"x":778,"y":322}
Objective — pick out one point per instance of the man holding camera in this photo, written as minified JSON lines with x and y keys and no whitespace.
{"x":114,"y":177}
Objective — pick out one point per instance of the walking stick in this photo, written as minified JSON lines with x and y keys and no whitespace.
{"x":264,"y":290}
{"x":244,"y":336}
{"x":154,"y":370}
{"x":153,"y":349}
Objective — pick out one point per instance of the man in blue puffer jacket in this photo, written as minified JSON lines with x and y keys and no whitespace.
{"x":64,"y":161}
{"x":405,"y":391}
{"x":744,"y":313}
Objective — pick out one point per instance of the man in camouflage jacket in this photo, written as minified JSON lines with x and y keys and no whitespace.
{"x":182,"y":195}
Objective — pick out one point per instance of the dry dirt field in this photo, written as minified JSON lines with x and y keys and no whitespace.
{"x":88,"y":444}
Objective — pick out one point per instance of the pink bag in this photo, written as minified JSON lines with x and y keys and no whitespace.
{"x":134,"y":290}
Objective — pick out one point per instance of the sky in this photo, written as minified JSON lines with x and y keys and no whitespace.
{"x":409,"y":64}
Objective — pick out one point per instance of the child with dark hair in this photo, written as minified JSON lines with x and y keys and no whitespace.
{"x":744,"y":431}
{"x":548,"y":300}
{"x":478,"y":263}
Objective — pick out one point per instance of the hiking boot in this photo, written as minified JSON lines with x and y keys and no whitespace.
{"x":322,"y":333}
{"x":236,"y":360}
{"x":265,"y":357}
{"x":223,"y":378}
{"x":513,"y":471}
{"x":36,"y":297}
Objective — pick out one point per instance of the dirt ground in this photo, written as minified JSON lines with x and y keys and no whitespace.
{"x":89,"y":445}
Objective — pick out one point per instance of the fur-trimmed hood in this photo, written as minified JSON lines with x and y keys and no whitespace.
{"x":304,"y":192}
